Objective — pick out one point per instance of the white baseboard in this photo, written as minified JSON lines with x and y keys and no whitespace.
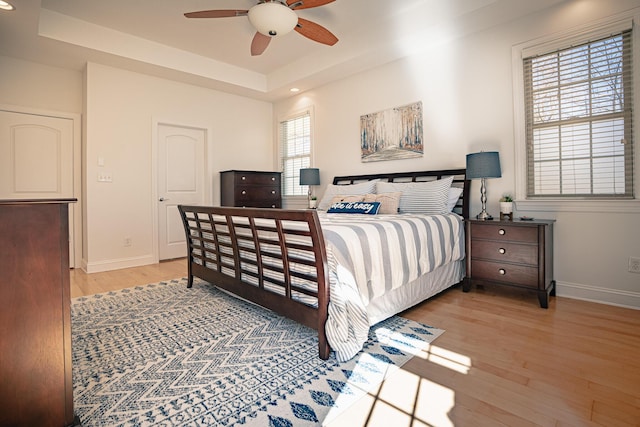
{"x":116,"y":264}
{"x":615,"y":297}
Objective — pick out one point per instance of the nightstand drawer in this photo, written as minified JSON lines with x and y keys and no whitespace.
{"x":507,"y":233}
{"x":501,"y":272}
{"x":506,"y":251}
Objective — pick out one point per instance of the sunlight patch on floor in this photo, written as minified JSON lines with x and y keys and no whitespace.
{"x":404,"y":399}
{"x":446,"y":358}
{"x":434,"y":403}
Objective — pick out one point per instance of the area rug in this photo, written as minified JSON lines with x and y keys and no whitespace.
{"x":165,"y":355}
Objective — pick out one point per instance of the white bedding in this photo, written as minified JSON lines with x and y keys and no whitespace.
{"x":372,"y":260}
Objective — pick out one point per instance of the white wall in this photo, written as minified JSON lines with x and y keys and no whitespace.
{"x":120,"y":110}
{"x":37,"y":86}
{"x":466,"y":90}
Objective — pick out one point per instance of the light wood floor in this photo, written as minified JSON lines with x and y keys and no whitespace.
{"x":502,"y":361}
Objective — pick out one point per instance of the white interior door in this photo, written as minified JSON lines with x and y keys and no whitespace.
{"x":36,"y":160}
{"x":181,"y":173}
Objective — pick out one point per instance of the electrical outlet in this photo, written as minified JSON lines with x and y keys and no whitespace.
{"x":634,"y":264}
{"x":105,"y":177}
{"x":127,"y":241}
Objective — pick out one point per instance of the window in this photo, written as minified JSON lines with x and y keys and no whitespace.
{"x":295,"y":152}
{"x":578,"y":120}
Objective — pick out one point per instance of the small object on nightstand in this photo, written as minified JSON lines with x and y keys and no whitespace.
{"x":506,"y":208}
{"x":526,"y":218}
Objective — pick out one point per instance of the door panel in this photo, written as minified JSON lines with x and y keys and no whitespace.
{"x":36,"y":156}
{"x":181,"y":161}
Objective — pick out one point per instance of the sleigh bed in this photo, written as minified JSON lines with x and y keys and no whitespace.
{"x":336,"y":273}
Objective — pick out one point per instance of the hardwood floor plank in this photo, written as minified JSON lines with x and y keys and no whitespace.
{"x":503,"y":361}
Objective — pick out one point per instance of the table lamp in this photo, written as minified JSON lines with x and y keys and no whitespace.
{"x":483,"y":165}
{"x":309,"y":176}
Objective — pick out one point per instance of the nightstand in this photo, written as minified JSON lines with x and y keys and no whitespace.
{"x":512,"y":253}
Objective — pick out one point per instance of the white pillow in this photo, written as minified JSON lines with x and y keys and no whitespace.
{"x":454,"y":195}
{"x":351,"y":189}
{"x":429,"y":198}
{"x":389,"y":202}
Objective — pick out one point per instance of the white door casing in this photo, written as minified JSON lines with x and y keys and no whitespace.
{"x":180,"y":180}
{"x":37,"y":153}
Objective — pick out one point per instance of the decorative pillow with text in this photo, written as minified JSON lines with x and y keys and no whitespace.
{"x":355,"y":208}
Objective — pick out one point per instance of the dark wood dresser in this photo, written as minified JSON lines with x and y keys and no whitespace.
{"x":514,"y":253}
{"x":36,"y":386}
{"x":250,"y":189}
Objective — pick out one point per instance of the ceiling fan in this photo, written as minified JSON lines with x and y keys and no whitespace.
{"x":273,"y":18}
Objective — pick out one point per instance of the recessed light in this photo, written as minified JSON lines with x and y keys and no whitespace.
{"x":6,"y":6}
{"x":294,"y":90}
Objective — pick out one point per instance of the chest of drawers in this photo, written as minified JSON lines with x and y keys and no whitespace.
{"x":36,"y":387}
{"x":513,"y":253}
{"x":255,"y":189}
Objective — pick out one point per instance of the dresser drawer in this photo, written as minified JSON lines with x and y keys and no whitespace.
{"x":244,"y":193}
{"x":506,"y":233}
{"x":506,"y":251}
{"x":502,"y":272}
{"x":260,"y":204}
{"x":257,"y":179}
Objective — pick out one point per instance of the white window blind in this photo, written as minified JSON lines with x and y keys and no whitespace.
{"x":579,"y":128}
{"x":295,"y":149}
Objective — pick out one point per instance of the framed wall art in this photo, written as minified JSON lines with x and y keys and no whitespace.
{"x":392,"y":134}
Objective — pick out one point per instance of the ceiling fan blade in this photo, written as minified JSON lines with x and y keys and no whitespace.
{"x":228,"y":13}
{"x":259,"y":44}
{"x":315,"y":32}
{"x":306,"y":4}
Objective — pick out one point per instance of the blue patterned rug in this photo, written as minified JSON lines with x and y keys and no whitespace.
{"x":165,"y":355}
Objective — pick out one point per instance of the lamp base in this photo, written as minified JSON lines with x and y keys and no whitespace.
{"x":484,"y":216}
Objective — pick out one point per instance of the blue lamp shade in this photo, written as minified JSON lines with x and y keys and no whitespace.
{"x":310,"y":176}
{"x":485,"y":164}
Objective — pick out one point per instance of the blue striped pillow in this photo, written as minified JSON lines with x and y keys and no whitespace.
{"x":429,"y":198}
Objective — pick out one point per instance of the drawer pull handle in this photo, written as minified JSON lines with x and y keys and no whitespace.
{"x":273,"y":191}
{"x":244,"y":191}
{"x":273,"y":178}
{"x":502,"y":250}
{"x":273,"y":206}
{"x":502,"y":271}
{"x":243,"y":178}
{"x":501,"y":231}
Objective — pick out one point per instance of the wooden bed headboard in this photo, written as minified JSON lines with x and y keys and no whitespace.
{"x":459,"y":180}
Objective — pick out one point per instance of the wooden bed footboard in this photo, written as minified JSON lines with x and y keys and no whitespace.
{"x":272,"y":257}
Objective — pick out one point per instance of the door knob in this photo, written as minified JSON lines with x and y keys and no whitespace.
{"x":162,"y":199}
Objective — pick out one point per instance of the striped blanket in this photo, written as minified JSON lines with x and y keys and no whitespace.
{"x":369,"y":255}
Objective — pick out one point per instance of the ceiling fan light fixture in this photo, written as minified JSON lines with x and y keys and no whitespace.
{"x":273,"y":18}
{"x":4,"y":5}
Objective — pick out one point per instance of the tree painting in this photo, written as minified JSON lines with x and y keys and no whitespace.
{"x":392,"y":134}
